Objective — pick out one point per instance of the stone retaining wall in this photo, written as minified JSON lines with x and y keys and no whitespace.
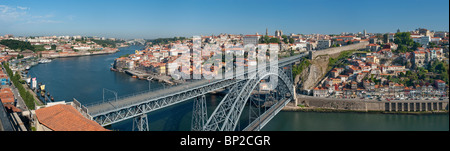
{"x":372,"y":105}
{"x":330,"y":51}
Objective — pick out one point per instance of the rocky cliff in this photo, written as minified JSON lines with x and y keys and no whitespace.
{"x":312,"y":75}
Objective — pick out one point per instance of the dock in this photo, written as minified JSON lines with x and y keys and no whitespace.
{"x":136,"y":73}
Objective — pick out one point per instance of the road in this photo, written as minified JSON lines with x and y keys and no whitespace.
{"x":265,"y":116}
{"x":20,"y":103}
{"x":136,"y":98}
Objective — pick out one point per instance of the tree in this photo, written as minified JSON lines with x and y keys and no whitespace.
{"x":291,"y":40}
{"x":403,"y":38}
{"x":385,"y":38}
{"x":17,"y":45}
{"x":431,"y":45}
{"x":285,"y":39}
{"x":402,"y":48}
{"x":274,"y":40}
{"x":415,"y":46}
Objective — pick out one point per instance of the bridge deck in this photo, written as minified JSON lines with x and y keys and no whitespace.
{"x":111,"y":105}
{"x":265,"y":117}
{"x":103,"y":107}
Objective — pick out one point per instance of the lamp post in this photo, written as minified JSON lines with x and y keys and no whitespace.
{"x":114,"y":92}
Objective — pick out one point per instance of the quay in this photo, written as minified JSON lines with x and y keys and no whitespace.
{"x":137,"y":74}
{"x":370,"y":105}
{"x":53,"y":56}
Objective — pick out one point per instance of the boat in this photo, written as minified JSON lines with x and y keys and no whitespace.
{"x":45,"y":61}
{"x":43,"y":88}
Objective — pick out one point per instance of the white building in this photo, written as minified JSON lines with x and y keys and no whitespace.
{"x":323,"y":44}
{"x":424,"y":40}
{"x":251,"y":39}
{"x":436,"y":39}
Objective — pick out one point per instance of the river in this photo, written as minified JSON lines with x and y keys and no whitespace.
{"x":84,"y":79}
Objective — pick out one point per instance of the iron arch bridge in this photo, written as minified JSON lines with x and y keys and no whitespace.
{"x":225,"y":117}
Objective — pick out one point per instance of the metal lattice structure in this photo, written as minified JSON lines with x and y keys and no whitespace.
{"x":199,"y":114}
{"x":140,"y":123}
{"x":226,"y":115}
{"x":223,"y":118}
{"x":118,"y":114}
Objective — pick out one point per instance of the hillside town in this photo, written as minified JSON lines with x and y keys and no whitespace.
{"x":383,"y":72}
{"x":409,"y":65}
{"x":157,"y":59}
{"x":55,"y":46}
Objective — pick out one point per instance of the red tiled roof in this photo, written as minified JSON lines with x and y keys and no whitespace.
{"x":440,"y":81}
{"x":6,"y":95}
{"x":66,"y":118}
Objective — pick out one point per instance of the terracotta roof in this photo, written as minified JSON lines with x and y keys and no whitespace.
{"x":440,"y":81}
{"x":65,"y":118}
{"x":12,"y":108}
{"x":6,"y":95}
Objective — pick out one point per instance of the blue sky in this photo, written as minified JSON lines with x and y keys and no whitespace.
{"x":155,"y":19}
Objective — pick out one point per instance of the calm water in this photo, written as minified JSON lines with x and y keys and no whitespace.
{"x":84,"y":78}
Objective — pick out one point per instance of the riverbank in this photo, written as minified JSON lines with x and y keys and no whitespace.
{"x":319,"y":104}
{"x":65,"y":55}
{"x":328,"y":110}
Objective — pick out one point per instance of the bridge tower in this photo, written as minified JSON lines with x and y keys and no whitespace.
{"x":140,"y":123}
{"x":199,"y":113}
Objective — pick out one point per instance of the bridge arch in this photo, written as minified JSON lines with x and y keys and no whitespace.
{"x":225,"y":117}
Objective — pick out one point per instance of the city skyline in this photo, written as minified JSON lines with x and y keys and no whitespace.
{"x":143,"y":19}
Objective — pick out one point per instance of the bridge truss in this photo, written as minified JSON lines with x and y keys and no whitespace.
{"x":226,"y":116}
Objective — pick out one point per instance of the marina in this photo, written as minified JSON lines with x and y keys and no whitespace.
{"x":45,"y":60}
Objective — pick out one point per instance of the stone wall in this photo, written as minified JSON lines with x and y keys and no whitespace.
{"x":373,"y":105}
{"x":330,"y":51}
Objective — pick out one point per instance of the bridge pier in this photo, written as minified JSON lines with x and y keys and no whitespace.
{"x":199,"y":114}
{"x":295,"y":96}
{"x":140,"y":123}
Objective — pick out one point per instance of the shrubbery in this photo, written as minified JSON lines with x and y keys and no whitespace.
{"x":26,"y":95}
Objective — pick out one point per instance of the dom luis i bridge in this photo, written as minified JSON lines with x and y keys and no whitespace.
{"x":246,"y":87}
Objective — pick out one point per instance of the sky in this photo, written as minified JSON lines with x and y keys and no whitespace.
{"x":150,"y":19}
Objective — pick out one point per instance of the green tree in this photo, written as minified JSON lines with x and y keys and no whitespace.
{"x":402,"y":48}
{"x":285,"y":39}
{"x":17,"y":45}
{"x":403,"y":38}
{"x":291,"y":40}
{"x":274,"y":40}
{"x":431,"y":45}
{"x":415,"y":46}
{"x":385,"y":38}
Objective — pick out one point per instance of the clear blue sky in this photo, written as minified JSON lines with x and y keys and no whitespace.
{"x":154,"y":19}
